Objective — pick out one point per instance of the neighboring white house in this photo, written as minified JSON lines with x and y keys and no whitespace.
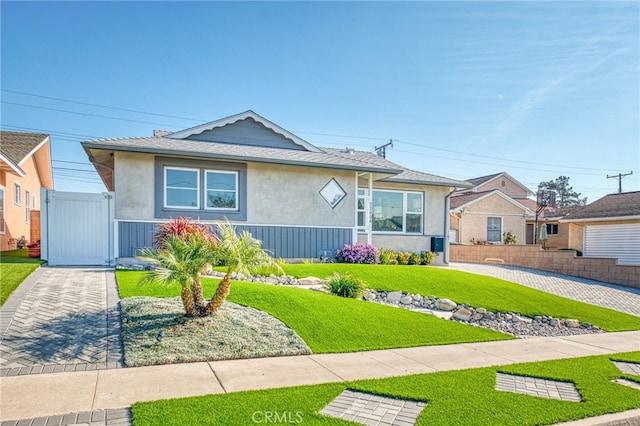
{"x":297,"y":198}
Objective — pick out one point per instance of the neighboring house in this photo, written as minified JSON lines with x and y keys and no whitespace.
{"x":501,"y":181}
{"x":25,"y":167}
{"x":297,"y":198}
{"x":608,"y":227}
{"x":550,"y":217}
{"x":496,"y":204}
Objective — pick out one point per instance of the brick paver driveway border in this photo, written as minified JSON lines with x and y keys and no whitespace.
{"x":616,"y":297}
{"x":62,"y":319}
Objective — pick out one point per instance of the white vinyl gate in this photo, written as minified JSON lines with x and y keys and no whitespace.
{"x":77,"y":228}
{"x":621,"y":241}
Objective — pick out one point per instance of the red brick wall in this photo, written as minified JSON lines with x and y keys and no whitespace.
{"x":561,"y":262}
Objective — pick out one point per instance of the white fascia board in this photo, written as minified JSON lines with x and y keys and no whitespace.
{"x":33,"y":151}
{"x":600,"y":219}
{"x":16,"y":169}
{"x":182,"y":134}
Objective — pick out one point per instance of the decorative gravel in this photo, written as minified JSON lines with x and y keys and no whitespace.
{"x":233,"y":332}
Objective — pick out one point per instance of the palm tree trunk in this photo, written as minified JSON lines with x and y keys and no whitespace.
{"x":187,"y":301}
{"x":196,"y":291}
{"x":221,"y":294}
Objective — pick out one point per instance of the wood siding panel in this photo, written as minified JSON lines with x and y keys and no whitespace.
{"x":282,"y":241}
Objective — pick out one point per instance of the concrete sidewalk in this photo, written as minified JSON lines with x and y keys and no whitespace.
{"x":31,"y":396}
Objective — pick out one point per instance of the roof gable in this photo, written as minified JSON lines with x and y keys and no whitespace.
{"x":246,"y":128}
{"x":18,"y":147}
{"x":490,"y":182}
{"x":458,"y":202}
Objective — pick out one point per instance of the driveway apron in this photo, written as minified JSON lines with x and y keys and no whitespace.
{"x":61,"y":319}
{"x":616,"y":297}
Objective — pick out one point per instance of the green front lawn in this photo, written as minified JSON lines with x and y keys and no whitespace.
{"x":476,"y":290}
{"x":15,"y":266}
{"x":455,"y":397}
{"x":330,"y":323}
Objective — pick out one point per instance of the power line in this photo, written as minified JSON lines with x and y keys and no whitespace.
{"x":563,"y":167}
{"x":87,"y":114}
{"x":101,"y":106}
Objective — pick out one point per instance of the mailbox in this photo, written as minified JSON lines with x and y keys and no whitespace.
{"x":437,"y":244}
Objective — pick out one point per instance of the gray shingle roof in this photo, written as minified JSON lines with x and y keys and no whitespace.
{"x":609,"y":206}
{"x":177,"y":144}
{"x":162,"y":145}
{"x":482,"y":179}
{"x":16,"y":145}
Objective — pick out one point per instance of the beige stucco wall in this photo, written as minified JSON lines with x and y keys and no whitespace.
{"x":276,"y":194}
{"x":134,"y":186}
{"x":290,"y":195}
{"x":473,"y":222}
{"x":505,"y":185}
{"x":16,"y":225}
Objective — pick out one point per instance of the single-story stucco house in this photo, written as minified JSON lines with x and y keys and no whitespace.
{"x":299,"y":199}
{"x":495,"y":205}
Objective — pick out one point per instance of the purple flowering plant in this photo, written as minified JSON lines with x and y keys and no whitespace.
{"x":359,"y":253}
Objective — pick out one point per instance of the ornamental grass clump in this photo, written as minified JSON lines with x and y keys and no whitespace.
{"x":359,"y":253}
{"x":346,"y":285}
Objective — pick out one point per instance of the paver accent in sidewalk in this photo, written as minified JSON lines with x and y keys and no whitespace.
{"x":630,"y":383}
{"x":67,"y":320}
{"x":370,"y":409}
{"x":113,"y":417}
{"x":628,"y":367}
{"x":535,"y":386}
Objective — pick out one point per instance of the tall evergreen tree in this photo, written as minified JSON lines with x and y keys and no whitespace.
{"x":565,"y":196}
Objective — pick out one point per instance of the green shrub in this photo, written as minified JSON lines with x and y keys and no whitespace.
{"x":388,"y":257}
{"x":509,"y":238}
{"x":415,"y":259}
{"x":403,"y":258}
{"x":428,"y":257}
{"x":346,"y":285}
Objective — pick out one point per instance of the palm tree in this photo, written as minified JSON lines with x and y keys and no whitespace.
{"x":182,"y":258}
{"x":241,"y":254}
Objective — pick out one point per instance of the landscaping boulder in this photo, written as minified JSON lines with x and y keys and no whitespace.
{"x":462,"y":314}
{"x":446,"y":304}
{"x":394,"y":297}
{"x":572,"y":323}
{"x":406,"y":300}
{"x":310,"y":281}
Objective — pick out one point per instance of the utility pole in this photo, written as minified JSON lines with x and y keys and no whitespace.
{"x":381,"y":151}
{"x":619,"y":176}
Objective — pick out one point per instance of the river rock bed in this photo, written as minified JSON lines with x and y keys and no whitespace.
{"x":510,"y":322}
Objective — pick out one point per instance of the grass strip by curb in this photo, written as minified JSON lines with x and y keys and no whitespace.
{"x":454,"y":397}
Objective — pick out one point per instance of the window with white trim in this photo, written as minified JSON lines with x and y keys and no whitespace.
{"x":182,"y":188}
{"x":494,"y":229}
{"x":17,"y":194}
{"x":397,"y":211}
{"x":222,"y":190}
{"x":27,"y":206}
{"x":2,"y":224}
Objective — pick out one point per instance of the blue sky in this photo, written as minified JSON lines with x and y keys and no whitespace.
{"x":465,"y":89}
